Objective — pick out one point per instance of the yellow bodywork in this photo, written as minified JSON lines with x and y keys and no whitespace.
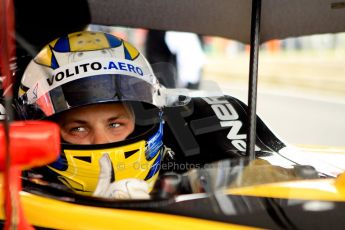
{"x":320,"y":189}
{"x":50,"y":213}
{"x":57,"y":214}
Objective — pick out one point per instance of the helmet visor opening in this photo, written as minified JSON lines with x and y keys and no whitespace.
{"x":93,"y":90}
{"x":101,"y":88}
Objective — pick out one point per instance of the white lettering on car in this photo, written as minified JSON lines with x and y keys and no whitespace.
{"x":228,"y":117}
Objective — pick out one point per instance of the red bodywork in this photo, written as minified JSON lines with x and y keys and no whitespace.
{"x":22,"y":144}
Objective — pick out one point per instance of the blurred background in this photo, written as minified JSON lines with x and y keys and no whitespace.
{"x":301,"y":91}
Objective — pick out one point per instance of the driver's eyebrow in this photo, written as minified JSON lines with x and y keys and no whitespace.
{"x":82,"y":122}
{"x":121,"y":116}
{"x":66,"y":122}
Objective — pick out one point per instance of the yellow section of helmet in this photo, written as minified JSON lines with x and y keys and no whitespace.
{"x":44,"y":57}
{"x":21,"y":92}
{"x":83,"y":170}
{"x":133,"y":52}
{"x":83,"y":41}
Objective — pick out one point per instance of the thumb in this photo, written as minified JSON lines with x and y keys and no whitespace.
{"x":105,"y":174}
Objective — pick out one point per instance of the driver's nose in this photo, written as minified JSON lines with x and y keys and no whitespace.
{"x":100,"y":136}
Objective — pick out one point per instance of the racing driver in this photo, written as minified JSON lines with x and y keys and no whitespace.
{"x":98,"y":88}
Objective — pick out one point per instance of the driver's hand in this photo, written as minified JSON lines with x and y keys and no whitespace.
{"x":130,"y":188}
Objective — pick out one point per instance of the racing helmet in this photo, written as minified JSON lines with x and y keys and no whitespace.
{"x":86,"y":68}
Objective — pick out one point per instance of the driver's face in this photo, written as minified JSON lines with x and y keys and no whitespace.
{"x":96,"y":124}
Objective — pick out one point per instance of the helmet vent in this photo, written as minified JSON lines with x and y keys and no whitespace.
{"x":86,"y":159}
{"x":130,"y":153}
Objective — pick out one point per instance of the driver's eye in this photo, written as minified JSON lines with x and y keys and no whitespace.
{"x":114,"y":125}
{"x":77,"y":129}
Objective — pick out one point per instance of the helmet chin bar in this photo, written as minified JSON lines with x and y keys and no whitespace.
{"x":139,"y":157}
{"x":83,"y":166}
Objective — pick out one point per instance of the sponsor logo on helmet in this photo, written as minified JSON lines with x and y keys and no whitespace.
{"x":79,"y":70}
{"x":88,"y":68}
